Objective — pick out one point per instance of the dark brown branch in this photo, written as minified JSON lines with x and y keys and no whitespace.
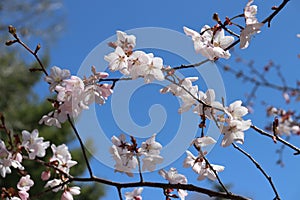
{"x":188,"y":187}
{"x":262,"y":132}
{"x":191,"y":65}
{"x":120,"y":193}
{"x":12,"y":30}
{"x":277,"y":10}
{"x":82,"y":146}
{"x":260,"y":169}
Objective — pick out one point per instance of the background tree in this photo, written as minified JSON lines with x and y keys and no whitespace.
{"x":20,"y":105}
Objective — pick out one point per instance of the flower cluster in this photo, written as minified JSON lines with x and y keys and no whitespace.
{"x":174,"y":178}
{"x":74,"y":94}
{"x":134,"y":63}
{"x":127,"y":154}
{"x":199,"y":164}
{"x":30,"y":146}
{"x":206,"y":106}
{"x":210,"y":42}
{"x":24,"y":185}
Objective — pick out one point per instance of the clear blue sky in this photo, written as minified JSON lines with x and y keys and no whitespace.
{"x":89,"y":23}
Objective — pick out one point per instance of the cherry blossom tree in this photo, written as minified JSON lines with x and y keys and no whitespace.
{"x":72,"y":95}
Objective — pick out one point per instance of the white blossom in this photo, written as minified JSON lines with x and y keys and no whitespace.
{"x":56,"y":77}
{"x":25,"y":183}
{"x":209,"y":99}
{"x":126,"y":42}
{"x":210,"y":44}
{"x":199,"y":166}
{"x":62,"y":155}
{"x":7,"y":160}
{"x":135,"y":194}
{"x":174,"y":178}
{"x":69,"y":192}
{"x":125,"y":159}
{"x":34,"y":145}
{"x":234,"y":131}
{"x":54,"y":183}
{"x":203,"y":141}
{"x":118,"y":61}
{"x":150,"y":68}
{"x":185,"y":91}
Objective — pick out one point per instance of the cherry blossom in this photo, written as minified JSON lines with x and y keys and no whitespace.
{"x":150,"y":146}
{"x":185,"y":91}
{"x":211,"y":45}
{"x":56,"y":77}
{"x":126,"y":42}
{"x":25,"y":183}
{"x":199,"y":166}
{"x":151,"y":150}
{"x":236,"y":111}
{"x":150,"y":68}
{"x":45,"y":175}
{"x":62,"y":155}
{"x":136,"y":59}
{"x":34,"y":145}
{"x":250,"y":12}
{"x":200,"y":142}
{"x":125,"y":159}
{"x":209,"y":99}
{"x":49,"y":120}
{"x":69,"y":192}
{"x":135,"y":194}
{"x":8,"y":159}
{"x":174,"y":178}
{"x":234,"y":131}
{"x":118,"y":61}
{"x":54,"y":183}
{"x":23,"y":194}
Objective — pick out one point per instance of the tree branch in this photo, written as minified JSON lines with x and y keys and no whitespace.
{"x":262,"y":132}
{"x":12,"y":31}
{"x":82,"y":146}
{"x":188,"y":187}
{"x":260,"y":169}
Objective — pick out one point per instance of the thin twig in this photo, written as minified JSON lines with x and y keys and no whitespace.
{"x":32,"y":52}
{"x":191,"y":65}
{"x":81,"y":145}
{"x":260,"y":169}
{"x":262,"y":132}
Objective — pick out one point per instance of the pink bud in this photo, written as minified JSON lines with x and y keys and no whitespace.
{"x":45,"y":175}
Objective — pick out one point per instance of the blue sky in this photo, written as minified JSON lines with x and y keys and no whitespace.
{"x":88,"y":23}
